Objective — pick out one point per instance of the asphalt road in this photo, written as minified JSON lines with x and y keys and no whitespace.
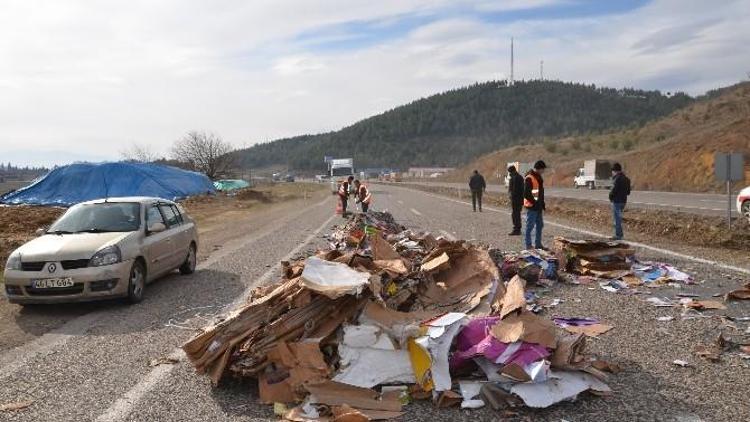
{"x":96,"y":367}
{"x":696,"y":203}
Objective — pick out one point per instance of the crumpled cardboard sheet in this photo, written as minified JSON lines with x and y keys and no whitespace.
{"x":369,"y":357}
{"x":335,"y":393}
{"x":429,"y":353}
{"x":381,"y":249}
{"x":526,"y":327}
{"x":462,"y":287}
{"x":291,"y":366}
{"x":333,"y":279}
{"x":584,"y":256}
{"x":562,"y":385}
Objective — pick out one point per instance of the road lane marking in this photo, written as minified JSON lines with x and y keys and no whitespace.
{"x":416,"y":212}
{"x":13,"y":359}
{"x":595,"y":234}
{"x":124,"y":405}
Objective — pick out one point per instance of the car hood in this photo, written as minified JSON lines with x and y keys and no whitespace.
{"x":52,"y":247}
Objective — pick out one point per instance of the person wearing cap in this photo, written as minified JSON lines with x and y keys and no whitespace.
{"x":533,"y":201}
{"x":618,"y":196}
{"x":515,"y":194}
{"x":477,"y":185}
{"x":344,"y":188}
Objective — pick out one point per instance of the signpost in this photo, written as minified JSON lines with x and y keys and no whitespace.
{"x":729,"y":167}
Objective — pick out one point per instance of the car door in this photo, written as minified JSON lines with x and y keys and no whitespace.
{"x":158,"y":248}
{"x":177,"y":246}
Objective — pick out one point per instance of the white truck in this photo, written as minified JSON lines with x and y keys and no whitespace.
{"x":340,"y":169}
{"x":594,"y":174}
{"x":521,"y":168}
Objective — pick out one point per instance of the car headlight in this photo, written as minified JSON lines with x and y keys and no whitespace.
{"x":107,"y":256}
{"x":14,"y":262}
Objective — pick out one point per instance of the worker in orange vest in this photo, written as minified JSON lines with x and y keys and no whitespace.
{"x":533,"y":201}
{"x":362,"y":195}
{"x":344,"y":188}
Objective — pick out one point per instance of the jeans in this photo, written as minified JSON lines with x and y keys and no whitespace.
{"x":476,"y":196}
{"x":365,"y":207}
{"x":534,"y":219}
{"x":617,"y":209}
{"x":344,"y":203}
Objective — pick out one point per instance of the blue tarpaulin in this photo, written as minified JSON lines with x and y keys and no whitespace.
{"x":74,"y":183}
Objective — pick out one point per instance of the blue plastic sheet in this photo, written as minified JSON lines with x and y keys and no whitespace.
{"x":71,"y":184}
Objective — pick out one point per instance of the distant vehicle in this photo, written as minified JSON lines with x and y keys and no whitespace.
{"x":289,"y":178}
{"x":594,"y":174}
{"x":276,"y":177}
{"x":341,"y":168}
{"x":743,"y":203}
{"x":321,"y":177}
{"x":522,"y":169}
{"x":103,"y":249}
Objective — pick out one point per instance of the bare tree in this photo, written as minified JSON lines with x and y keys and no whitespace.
{"x":139,"y":153}
{"x":204,"y":152}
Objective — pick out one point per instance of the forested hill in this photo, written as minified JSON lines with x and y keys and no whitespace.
{"x":454,"y":127}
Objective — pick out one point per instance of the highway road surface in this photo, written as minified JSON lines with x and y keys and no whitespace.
{"x":696,"y":203}
{"x":97,"y":366}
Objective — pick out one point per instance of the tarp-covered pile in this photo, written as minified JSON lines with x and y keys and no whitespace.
{"x":74,"y":183}
{"x":386,"y":315}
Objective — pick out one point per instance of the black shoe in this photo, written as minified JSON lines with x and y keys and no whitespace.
{"x":615,"y":238}
{"x":514,"y":233}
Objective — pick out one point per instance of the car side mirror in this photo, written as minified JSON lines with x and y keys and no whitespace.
{"x":156,"y":228}
{"x":41,"y":231}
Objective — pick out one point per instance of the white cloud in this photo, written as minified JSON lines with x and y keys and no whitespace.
{"x":95,"y":76}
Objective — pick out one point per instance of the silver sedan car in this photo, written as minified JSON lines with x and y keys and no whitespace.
{"x":103,"y":249}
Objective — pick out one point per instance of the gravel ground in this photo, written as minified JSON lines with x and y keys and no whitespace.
{"x":103,"y":359}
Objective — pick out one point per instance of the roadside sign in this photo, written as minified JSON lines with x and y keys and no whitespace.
{"x":327,"y":159}
{"x":728,"y":168}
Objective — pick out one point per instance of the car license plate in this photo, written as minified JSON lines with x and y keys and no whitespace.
{"x":53,"y":283}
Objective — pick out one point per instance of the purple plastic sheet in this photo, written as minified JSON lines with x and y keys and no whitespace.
{"x":476,"y":340}
{"x":574,"y":322}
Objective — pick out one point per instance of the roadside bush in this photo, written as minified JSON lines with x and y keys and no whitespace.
{"x":614,"y":143}
{"x":575,"y":144}
{"x":550,"y":146}
{"x":627,"y":144}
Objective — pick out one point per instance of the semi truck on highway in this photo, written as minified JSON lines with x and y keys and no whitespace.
{"x":594,"y":174}
{"x":339,"y":170}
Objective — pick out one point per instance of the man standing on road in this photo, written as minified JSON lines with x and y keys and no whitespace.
{"x":618,"y":196}
{"x":477,"y":186}
{"x":362,"y":195}
{"x":533,"y":201}
{"x":515,"y":193}
{"x":344,"y":194}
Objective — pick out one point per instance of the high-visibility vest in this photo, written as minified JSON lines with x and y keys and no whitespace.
{"x":343,"y":189}
{"x":364,"y":195}
{"x":534,"y":190}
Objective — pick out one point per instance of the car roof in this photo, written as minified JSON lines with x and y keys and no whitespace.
{"x":138,"y":199}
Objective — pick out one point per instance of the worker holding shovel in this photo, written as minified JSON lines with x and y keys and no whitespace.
{"x":362,"y":195}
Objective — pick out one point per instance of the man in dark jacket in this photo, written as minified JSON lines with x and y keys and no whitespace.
{"x":618,"y":196}
{"x":533,"y":201}
{"x":515,"y":193}
{"x":477,"y":186}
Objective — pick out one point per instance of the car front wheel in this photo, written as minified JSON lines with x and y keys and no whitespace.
{"x":136,"y":282}
{"x":746,"y":210}
{"x":188,"y":267}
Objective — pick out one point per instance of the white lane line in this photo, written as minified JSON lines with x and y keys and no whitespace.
{"x":637,"y":244}
{"x":12,"y":360}
{"x":448,"y":235}
{"x":123,"y":406}
{"x":416,"y":212}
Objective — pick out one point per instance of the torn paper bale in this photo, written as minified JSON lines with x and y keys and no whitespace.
{"x":369,"y":357}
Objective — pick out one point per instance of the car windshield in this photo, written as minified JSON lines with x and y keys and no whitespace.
{"x":342,"y":171}
{"x":99,"y":218}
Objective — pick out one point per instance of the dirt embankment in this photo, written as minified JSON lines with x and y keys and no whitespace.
{"x":643,"y":224}
{"x":675,"y":153}
{"x":19,"y":224}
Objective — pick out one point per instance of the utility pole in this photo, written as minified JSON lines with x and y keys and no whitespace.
{"x":541,"y":70}
{"x":511,"y":61}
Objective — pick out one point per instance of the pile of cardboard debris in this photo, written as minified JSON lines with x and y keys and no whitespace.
{"x":387,"y":315}
{"x":613,"y":261}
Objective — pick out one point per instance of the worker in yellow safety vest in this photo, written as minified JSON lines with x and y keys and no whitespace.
{"x":533,"y":201}
{"x":362,"y":195}
{"x":344,"y":193}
